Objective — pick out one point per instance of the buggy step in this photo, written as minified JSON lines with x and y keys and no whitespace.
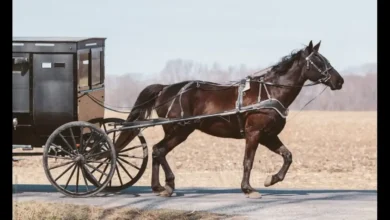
{"x":16,"y":159}
{"x":24,"y":154}
{"x":24,"y":147}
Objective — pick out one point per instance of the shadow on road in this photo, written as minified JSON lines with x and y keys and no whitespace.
{"x":136,"y":190}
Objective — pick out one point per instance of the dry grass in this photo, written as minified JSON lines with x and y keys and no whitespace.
{"x":336,"y":150}
{"x":54,"y":211}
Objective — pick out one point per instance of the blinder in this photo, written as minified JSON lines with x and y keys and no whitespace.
{"x":325,"y":72}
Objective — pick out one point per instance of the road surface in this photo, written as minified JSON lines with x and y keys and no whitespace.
{"x":275,"y":204}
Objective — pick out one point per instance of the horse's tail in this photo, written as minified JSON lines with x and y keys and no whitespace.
{"x":145,"y":102}
{"x":142,"y":110}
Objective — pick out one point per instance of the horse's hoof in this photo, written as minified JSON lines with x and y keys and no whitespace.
{"x":268,"y":181}
{"x":253,"y":195}
{"x":158,"y":190}
{"x":167,"y":192}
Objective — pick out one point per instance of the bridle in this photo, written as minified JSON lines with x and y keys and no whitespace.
{"x":324,"y":72}
{"x":309,"y":62}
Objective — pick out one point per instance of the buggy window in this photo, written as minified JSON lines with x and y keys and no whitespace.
{"x":83,"y":67}
{"x":20,"y":84}
{"x":96,"y":65}
{"x":19,"y":64}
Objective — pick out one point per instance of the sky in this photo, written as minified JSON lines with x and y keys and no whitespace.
{"x":143,"y":35}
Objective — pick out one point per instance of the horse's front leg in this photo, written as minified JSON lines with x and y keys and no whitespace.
{"x":275,"y":145}
{"x":252,"y":142}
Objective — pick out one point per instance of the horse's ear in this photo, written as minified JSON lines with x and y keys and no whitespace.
{"x":309,"y":48}
{"x":317,"y":46}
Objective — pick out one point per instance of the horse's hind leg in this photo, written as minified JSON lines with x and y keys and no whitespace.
{"x":275,"y":145}
{"x":173,"y":137}
{"x":156,"y":186}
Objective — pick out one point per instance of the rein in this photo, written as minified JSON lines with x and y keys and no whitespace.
{"x":309,"y":62}
{"x":300,"y":110}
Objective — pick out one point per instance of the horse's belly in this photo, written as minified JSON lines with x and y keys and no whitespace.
{"x":219,"y":127}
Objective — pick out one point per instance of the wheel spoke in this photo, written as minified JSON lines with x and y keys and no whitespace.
{"x":90,"y":175}
{"x":61,"y":165}
{"x":67,"y":169}
{"x":81,"y":138}
{"x":77,"y":179}
{"x":93,"y":155}
{"x":100,"y":165}
{"x":135,"y":157}
{"x":88,"y":140}
{"x":62,"y":149}
{"x":104,"y":170}
{"x":132,"y":165}
{"x":66,"y":142}
{"x":131,"y":148}
{"x":96,"y":169}
{"x":95,"y":144}
{"x":71,"y":175}
{"x":104,"y":126}
{"x":114,"y":135}
{"x":104,"y":147}
{"x":120,"y":164}
{"x":85,"y":179}
{"x":119,"y":175}
{"x":73,"y":139}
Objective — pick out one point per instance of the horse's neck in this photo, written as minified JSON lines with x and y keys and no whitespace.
{"x":286,"y":95}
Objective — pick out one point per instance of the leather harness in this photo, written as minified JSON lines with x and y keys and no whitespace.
{"x":269,"y":103}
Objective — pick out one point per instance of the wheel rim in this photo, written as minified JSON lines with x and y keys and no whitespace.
{"x":71,"y":165}
{"x":131,"y":160}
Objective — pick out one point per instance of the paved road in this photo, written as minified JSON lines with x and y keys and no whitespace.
{"x":275,"y":204}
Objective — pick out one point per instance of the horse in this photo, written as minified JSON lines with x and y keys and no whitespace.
{"x":283,"y":82}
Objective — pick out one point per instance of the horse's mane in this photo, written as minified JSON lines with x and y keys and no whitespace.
{"x":286,"y":62}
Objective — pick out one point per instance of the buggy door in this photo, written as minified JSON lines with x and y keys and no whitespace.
{"x":21,"y":97}
{"x":53,"y":91}
{"x":20,"y":83}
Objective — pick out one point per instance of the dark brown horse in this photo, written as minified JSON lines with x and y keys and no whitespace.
{"x":283,"y":82}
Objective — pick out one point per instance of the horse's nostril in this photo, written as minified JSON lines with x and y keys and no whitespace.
{"x":339,"y":84}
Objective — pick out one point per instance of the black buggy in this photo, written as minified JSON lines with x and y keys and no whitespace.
{"x":57,"y":81}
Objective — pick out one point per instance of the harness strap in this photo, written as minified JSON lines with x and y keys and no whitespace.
{"x":170,"y":107}
{"x":180,"y":93}
{"x":239,"y":105}
{"x":259,"y":97}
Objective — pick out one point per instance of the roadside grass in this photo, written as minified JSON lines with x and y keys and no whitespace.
{"x":31,"y":210}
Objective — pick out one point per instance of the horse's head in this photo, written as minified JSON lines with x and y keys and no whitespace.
{"x":318,"y":68}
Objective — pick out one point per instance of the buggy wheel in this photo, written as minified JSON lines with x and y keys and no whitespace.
{"x":131,"y":160}
{"x":70,"y":160}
